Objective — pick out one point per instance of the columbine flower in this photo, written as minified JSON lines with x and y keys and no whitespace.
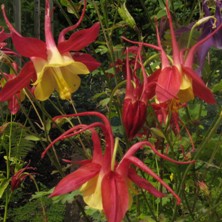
{"x":20,"y":176}
{"x":178,"y":80}
{"x":104,"y":183}
{"x":216,"y":39}
{"x":15,"y":99}
{"x":52,"y":67}
{"x":137,"y":95}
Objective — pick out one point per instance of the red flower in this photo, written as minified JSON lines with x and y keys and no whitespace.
{"x":15,"y":99}
{"x":179,"y":80}
{"x":52,"y":67}
{"x":137,"y":95}
{"x":104,"y":183}
{"x":20,"y":176}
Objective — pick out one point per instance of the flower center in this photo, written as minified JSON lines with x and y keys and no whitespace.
{"x":63,"y":87}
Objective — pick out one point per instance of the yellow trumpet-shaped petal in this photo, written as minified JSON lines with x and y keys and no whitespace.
{"x":91,"y":192}
{"x":60,"y":73}
{"x":186,"y":90}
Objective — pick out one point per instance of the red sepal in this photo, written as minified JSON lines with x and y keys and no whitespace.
{"x":199,"y":87}
{"x":144,"y":184}
{"x":18,"y":83}
{"x":87,"y":59}
{"x":76,"y":179}
{"x":168,"y":84}
{"x":80,"y":39}
{"x":115,"y":196}
{"x":29,"y":47}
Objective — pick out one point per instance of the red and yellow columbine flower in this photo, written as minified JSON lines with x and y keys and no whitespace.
{"x":137,"y":95}
{"x":179,"y":80}
{"x":52,"y":67}
{"x":105,"y":184}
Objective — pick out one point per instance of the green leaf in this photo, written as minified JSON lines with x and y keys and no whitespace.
{"x":3,"y":185}
{"x":217,"y":87}
{"x":157,"y":132}
{"x":32,"y":138}
{"x":66,"y":198}
{"x":161,"y":14}
{"x":104,"y":102}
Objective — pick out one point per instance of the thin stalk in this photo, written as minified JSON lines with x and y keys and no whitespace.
{"x":79,"y":138}
{"x":107,"y":37}
{"x":56,"y":164}
{"x":64,"y":13}
{"x":36,"y":111}
{"x":148,"y":205}
{"x":209,"y":134}
{"x":41,"y":202}
{"x":7,"y":200}
{"x":188,"y":206}
{"x":159,"y":185}
{"x":8,"y":159}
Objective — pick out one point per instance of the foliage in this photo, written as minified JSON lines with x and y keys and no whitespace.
{"x":131,"y":69}
{"x":31,"y":211}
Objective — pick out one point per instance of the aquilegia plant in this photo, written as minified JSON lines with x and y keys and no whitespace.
{"x":137,"y":131}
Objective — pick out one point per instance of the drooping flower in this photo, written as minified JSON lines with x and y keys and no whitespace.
{"x":52,"y":67}
{"x":20,"y":176}
{"x":207,"y":28}
{"x":104,"y":183}
{"x":179,"y":80}
{"x":15,"y":99}
{"x":138,"y":92}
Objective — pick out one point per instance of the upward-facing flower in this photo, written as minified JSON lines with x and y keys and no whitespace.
{"x":208,"y":27}
{"x":104,"y":183}
{"x":52,"y":67}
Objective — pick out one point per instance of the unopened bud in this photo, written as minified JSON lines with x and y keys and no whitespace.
{"x":126,"y":16}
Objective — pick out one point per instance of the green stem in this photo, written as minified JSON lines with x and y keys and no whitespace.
{"x":198,"y":23}
{"x":148,"y":205}
{"x":209,"y":134}
{"x":8,"y":159}
{"x":41,"y":201}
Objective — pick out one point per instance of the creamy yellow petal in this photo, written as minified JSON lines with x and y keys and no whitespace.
{"x":78,"y":68}
{"x":58,"y":72}
{"x":186,"y":90}
{"x":91,"y":192}
{"x":45,"y":87}
{"x":72,"y":80}
{"x":186,"y":82}
{"x":186,"y":95}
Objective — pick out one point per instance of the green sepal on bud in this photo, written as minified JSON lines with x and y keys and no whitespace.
{"x":126,"y":16}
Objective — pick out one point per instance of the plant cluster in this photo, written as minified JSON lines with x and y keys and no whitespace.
{"x":120,"y":112}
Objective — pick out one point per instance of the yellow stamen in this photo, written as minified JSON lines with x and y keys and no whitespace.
{"x":114,"y":154}
{"x":63,"y":88}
